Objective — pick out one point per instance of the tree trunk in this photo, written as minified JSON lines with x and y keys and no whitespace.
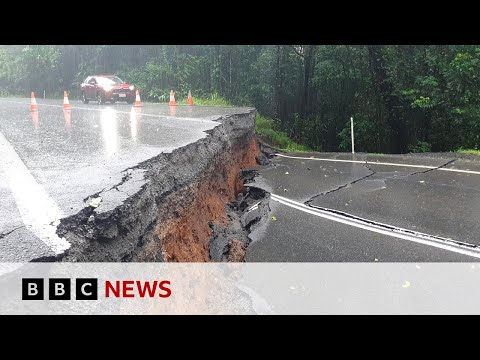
{"x":392,"y":104}
{"x":277,"y":84}
{"x":309,"y":64}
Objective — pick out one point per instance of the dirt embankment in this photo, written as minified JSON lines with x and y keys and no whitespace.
{"x":188,"y":202}
{"x":183,"y":229}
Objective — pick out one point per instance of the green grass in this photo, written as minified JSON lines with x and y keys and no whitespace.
{"x":264,"y":125}
{"x":278,"y":139}
{"x":468,"y":151}
{"x":213,"y":100}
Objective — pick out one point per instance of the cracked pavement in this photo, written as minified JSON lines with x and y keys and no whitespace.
{"x":433,"y":200}
{"x":69,"y":157}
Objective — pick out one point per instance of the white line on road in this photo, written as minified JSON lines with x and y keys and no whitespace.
{"x":320,"y":159}
{"x":350,"y":220}
{"x":37,"y":209}
{"x":460,"y":171}
{"x":380,"y":163}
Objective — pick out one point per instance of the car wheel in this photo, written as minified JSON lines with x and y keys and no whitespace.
{"x":100,"y":98}
{"x":112,"y":101}
{"x":84,"y":98}
{"x":129,"y":101}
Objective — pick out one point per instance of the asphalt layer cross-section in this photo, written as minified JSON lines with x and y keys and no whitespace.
{"x":51,"y":161}
{"x":423,"y":199}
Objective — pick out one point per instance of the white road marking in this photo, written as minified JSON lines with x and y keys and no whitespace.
{"x":460,"y":171}
{"x":320,"y":159}
{"x":122,"y":112}
{"x":37,"y":209}
{"x":253,"y":207}
{"x":425,"y":239}
{"x":381,"y":163}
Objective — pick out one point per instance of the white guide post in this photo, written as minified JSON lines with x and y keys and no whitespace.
{"x":353,"y":138}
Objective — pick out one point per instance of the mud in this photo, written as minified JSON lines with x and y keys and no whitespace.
{"x":192,"y":205}
{"x":184,"y":233}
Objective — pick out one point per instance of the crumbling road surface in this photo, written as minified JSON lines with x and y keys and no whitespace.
{"x":103,"y":182}
{"x":159,"y":183}
{"x":343,"y":207}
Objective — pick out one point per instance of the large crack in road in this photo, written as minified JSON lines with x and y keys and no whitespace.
{"x":324,"y":205}
{"x":373,"y":172}
{"x":186,"y":205}
{"x":350,"y":183}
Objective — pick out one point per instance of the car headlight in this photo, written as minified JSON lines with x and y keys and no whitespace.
{"x":108,"y":88}
{"x":131,"y":87}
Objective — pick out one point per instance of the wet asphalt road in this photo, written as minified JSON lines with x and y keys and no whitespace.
{"x":437,"y":202}
{"x":51,"y":161}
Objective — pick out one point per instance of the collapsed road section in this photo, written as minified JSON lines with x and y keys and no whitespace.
{"x":186,"y":209}
{"x":116,"y":183}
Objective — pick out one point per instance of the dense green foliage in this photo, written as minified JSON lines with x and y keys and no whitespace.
{"x":402,"y":98}
{"x":265,"y":127}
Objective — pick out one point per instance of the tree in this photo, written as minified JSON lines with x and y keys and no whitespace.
{"x":384,"y":87}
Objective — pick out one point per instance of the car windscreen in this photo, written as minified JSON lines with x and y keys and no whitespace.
{"x":109,"y":80}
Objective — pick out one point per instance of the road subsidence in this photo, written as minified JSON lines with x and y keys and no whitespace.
{"x":192,"y":205}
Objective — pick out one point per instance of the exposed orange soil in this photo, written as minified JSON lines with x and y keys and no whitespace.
{"x":185,"y":235}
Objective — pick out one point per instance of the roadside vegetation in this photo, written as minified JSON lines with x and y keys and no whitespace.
{"x":264,"y":127}
{"x":403,"y":98}
{"x":212,"y":100}
{"x":468,"y":151}
{"x":278,"y":139}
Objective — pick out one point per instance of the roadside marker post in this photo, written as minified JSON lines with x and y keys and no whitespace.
{"x":353,"y":137}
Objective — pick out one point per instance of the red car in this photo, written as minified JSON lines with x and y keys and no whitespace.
{"x":103,"y":88}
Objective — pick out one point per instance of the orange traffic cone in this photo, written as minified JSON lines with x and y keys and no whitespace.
{"x":66,"y":104}
{"x":172,"y":98}
{"x":137,"y":99}
{"x":33,"y":103}
{"x":190,"y":99}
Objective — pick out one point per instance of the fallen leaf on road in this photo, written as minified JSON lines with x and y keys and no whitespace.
{"x":274,"y":218}
{"x":95,"y":202}
{"x":406,"y":284}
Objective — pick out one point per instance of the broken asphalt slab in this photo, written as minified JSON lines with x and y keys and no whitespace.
{"x":91,"y":152}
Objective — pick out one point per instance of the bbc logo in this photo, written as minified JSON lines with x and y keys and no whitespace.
{"x":59,"y":289}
